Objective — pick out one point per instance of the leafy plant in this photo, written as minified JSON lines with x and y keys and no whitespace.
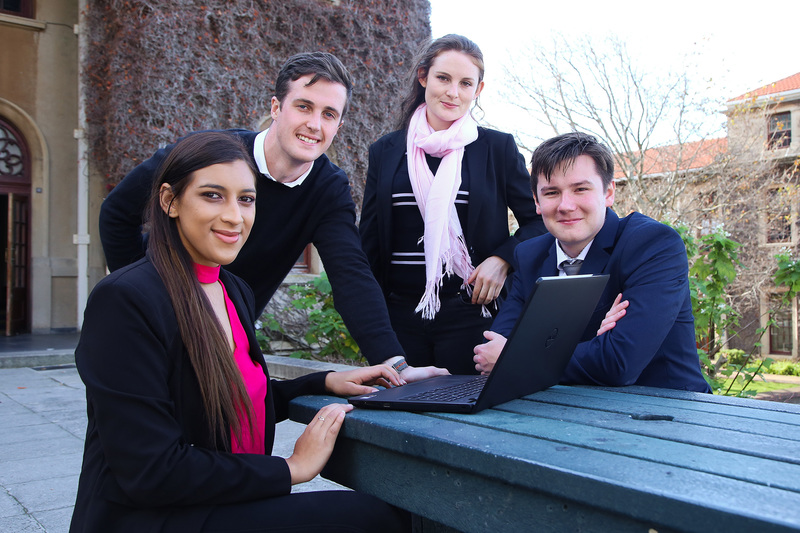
{"x":267,"y":327}
{"x":788,"y":275}
{"x":713,"y":262}
{"x":785,"y":368}
{"x":733,"y":355}
{"x":326,"y":329}
{"x":713,"y":269}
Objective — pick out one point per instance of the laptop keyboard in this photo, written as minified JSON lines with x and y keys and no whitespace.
{"x":467,"y":389}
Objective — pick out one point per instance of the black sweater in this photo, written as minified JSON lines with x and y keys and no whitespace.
{"x":319,"y":211}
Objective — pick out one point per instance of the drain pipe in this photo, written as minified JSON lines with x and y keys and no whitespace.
{"x":81,"y":238}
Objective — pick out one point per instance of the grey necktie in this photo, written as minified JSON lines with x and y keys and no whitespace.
{"x":571,"y":266}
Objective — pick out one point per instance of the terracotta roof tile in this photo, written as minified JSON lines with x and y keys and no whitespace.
{"x":694,"y":155}
{"x":786,"y":84}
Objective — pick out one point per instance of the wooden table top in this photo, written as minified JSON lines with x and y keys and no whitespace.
{"x":604,"y":459}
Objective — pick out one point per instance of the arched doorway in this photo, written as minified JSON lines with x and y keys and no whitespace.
{"x":15,"y":189}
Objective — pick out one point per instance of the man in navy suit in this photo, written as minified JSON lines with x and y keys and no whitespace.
{"x":646,"y":339}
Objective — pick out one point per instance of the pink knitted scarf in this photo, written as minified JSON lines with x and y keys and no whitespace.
{"x":445,"y":250}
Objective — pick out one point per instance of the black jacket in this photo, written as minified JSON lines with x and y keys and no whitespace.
{"x":498,"y":181}
{"x":148,"y":450}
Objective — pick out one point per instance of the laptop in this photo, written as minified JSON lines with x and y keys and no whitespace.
{"x":534,"y":358}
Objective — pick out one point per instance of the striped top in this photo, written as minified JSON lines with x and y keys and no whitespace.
{"x":407,"y":265}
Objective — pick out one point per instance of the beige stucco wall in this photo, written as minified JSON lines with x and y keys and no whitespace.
{"x":39,"y":94}
{"x":747,"y":125}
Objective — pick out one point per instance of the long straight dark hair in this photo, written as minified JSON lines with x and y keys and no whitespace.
{"x":221,"y":385}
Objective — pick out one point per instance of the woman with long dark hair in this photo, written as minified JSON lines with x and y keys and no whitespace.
{"x":181,"y":409}
{"x":434,"y":222}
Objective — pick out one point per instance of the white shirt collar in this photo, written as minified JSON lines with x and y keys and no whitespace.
{"x":561,"y":256}
{"x":261,"y":162}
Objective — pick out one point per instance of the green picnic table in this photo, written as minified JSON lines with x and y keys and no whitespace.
{"x":580,"y":459}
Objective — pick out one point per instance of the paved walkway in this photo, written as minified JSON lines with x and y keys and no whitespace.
{"x":43,"y":421}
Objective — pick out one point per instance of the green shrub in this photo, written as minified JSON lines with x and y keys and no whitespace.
{"x":267,"y":328}
{"x":785,"y":368}
{"x":734,"y":356}
{"x":713,"y":260}
{"x":326,"y":329}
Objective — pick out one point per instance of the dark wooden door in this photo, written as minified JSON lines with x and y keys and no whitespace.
{"x":17,"y":264}
{"x":15,"y":190}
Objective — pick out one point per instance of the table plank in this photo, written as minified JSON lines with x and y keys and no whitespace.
{"x":584,"y":432}
{"x":766,"y":447}
{"x":744,"y":420}
{"x":747,"y":408}
{"x":541,"y":474}
{"x":761,"y":405}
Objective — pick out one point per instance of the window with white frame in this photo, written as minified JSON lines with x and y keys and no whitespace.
{"x":779,"y":133}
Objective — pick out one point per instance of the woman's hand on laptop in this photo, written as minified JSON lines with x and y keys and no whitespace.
{"x":486,"y":354}
{"x":360,"y":380}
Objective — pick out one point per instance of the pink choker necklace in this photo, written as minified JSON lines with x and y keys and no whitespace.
{"x":206,"y":274}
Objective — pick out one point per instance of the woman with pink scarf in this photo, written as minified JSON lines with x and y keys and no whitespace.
{"x":434,"y":222}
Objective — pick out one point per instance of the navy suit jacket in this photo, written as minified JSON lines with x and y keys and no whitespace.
{"x":654,"y":343}
{"x":148,"y":452}
{"x":498,"y":181}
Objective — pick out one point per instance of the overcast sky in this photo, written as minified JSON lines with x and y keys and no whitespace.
{"x":738,"y":48}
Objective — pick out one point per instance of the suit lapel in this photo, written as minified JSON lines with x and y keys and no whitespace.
{"x":393,"y":155}
{"x":550,"y":264}
{"x":475,"y":160}
{"x":602,"y":246}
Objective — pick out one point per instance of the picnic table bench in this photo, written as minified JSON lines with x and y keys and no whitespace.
{"x":580,"y":459}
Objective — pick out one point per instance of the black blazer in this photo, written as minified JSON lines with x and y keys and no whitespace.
{"x":148,"y":451}
{"x":498,"y":181}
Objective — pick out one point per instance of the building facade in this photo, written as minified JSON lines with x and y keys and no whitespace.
{"x":75,"y":116}
{"x":51,"y":251}
{"x":765,"y":124}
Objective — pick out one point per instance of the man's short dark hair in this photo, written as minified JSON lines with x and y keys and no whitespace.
{"x":562,"y":150}
{"x":321,"y":65}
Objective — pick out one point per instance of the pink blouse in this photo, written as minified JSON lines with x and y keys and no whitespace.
{"x":252,"y":374}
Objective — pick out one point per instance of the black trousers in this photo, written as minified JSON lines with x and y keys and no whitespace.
{"x":446,"y":341}
{"x":328,"y":511}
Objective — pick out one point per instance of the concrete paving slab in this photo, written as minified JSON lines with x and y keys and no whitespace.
{"x":40,"y":467}
{"x":9,"y":506}
{"x":24,"y":524}
{"x":46,"y":494}
{"x":45,"y":398}
{"x":15,"y":420}
{"x":36,"y":448}
{"x":45,"y":431}
{"x":73,"y":422}
{"x":55,"y":521}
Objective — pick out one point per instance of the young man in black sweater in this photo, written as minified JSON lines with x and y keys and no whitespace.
{"x":302,"y":198}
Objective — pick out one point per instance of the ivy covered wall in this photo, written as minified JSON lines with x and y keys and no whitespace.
{"x":157,"y":69}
